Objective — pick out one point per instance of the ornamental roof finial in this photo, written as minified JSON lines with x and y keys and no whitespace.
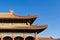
{"x":11,"y":12}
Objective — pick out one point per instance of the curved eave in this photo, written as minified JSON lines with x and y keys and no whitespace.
{"x":25,"y":29}
{"x":19,"y":19}
{"x":11,"y":15}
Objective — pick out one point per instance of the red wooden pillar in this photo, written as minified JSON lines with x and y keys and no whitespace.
{"x":1,"y":38}
{"x":35,"y":36}
{"x":12,"y":37}
{"x":24,"y":38}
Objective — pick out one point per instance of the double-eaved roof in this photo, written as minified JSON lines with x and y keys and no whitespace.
{"x":6,"y":17}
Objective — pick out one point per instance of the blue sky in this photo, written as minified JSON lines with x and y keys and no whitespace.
{"x":48,"y":12}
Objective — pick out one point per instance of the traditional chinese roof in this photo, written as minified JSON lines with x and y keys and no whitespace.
{"x":24,"y":27}
{"x":35,"y":28}
{"x":11,"y":17}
